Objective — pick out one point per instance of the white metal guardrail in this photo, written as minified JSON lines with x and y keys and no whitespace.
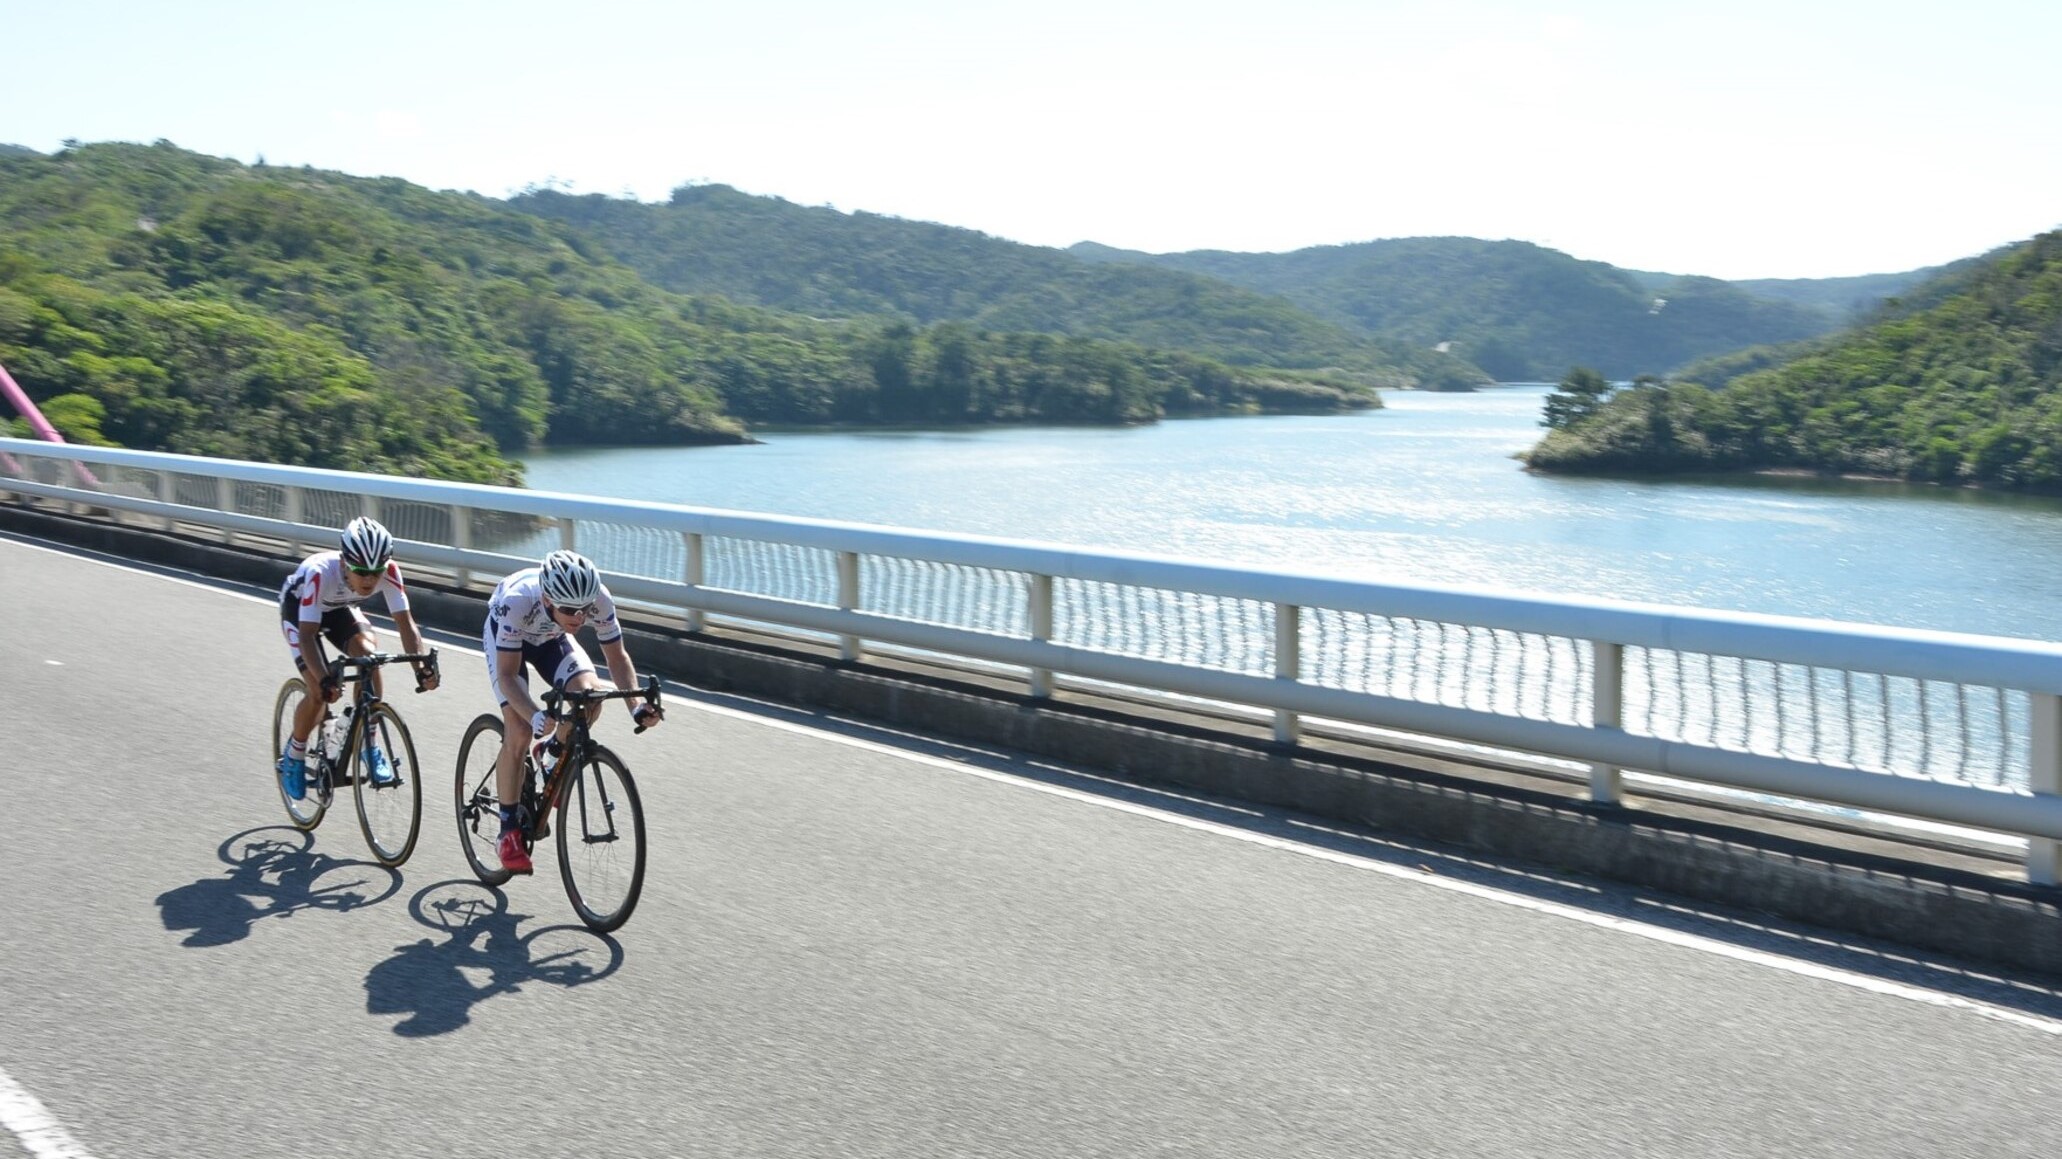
{"x":1955,"y":729}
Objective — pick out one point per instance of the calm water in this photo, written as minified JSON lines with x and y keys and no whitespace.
{"x":1422,"y":492}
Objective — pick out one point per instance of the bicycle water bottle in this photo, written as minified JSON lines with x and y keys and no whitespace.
{"x":333,"y":730}
{"x":546,"y":753}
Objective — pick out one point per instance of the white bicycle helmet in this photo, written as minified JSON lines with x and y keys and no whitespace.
{"x":365,"y":544}
{"x":569,"y":580}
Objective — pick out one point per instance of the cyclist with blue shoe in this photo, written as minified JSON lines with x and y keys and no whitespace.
{"x":321,"y":599}
{"x":531,"y":620}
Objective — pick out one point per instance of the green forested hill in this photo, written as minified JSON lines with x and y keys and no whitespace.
{"x":1845,"y":300}
{"x":1964,"y":385}
{"x":163,"y":299}
{"x":819,"y":261}
{"x":1519,"y":311}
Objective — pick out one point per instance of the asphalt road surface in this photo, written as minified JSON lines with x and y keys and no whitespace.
{"x":854,"y":943}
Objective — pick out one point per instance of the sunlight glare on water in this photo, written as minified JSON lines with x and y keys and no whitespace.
{"x":1422,"y":492}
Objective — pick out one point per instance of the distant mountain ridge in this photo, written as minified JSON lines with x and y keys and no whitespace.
{"x":1439,"y":313}
{"x":713,"y":239}
{"x":1523,"y":312}
{"x":1512,"y":309}
{"x":1847,"y":300}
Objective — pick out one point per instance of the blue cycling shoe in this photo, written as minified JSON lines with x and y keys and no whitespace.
{"x":383,"y":774}
{"x":293,"y":777}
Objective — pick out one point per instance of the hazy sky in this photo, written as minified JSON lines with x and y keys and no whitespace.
{"x":1802,"y":138}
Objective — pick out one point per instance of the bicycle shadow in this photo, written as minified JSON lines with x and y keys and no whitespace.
{"x":433,"y":983}
{"x":272,"y":874}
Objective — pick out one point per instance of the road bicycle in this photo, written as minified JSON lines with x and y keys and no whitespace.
{"x":341,"y":752}
{"x":599,"y":821}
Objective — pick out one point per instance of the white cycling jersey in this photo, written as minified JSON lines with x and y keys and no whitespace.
{"x":318,"y":587}
{"x":517,"y":616}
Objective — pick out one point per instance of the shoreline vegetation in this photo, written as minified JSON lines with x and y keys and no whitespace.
{"x":1799,"y":474}
{"x":1959,"y":384}
{"x":160,"y":299}
{"x":157,"y":298}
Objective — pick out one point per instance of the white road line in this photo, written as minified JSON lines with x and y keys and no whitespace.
{"x":32,"y":1123}
{"x":1488,"y":893}
{"x":1688,"y":941}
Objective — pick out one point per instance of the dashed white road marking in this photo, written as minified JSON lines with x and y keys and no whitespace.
{"x":31,"y":1122}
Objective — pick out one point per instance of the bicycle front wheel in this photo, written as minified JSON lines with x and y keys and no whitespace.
{"x":389,"y":808}
{"x":307,"y":812}
{"x":601,"y":841}
{"x":479,"y":804}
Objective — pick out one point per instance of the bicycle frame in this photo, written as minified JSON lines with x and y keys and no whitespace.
{"x":358,"y":669}
{"x":579,"y":744}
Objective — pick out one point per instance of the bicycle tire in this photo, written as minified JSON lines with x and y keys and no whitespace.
{"x":306,"y":813}
{"x":477,"y":801}
{"x":399,"y":805}
{"x":601,"y":851}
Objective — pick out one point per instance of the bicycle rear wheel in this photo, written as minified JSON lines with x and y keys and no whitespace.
{"x":390,"y":815}
{"x":307,"y":812}
{"x":479,"y":805}
{"x":601,"y":841}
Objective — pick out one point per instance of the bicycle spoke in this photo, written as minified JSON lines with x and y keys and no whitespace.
{"x":476,"y":803}
{"x":601,"y":841}
{"x":389,"y":804}
{"x":305,"y":813}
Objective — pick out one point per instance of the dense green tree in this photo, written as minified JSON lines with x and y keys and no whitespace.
{"x":1582,"y":391}
{"x":1959,"y":383}
{"x":309,"y":317}
{"x":75,"y":416}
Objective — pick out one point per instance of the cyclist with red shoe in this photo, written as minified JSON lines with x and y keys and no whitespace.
{"x":531,"y":620}
{"x":320,"y":599}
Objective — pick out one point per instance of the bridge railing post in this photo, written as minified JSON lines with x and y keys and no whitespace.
{"x":2044,"y":775}
{"x":225,"y":502}
{"x":294,"y":502}
{"x":1041,"y":630}
{"x":692,"y":576}
{"x":168,"y":491}
{"x":848,"y":600}
{"x":462,"y":539}
{"x":1288,"y":665}
{"x":1607,"y":708}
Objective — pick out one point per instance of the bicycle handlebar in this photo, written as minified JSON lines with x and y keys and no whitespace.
{"x":647,"y":691}
{"x":360,"y":665}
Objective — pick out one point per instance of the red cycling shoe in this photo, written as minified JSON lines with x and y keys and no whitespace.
{"x":514,"y":857}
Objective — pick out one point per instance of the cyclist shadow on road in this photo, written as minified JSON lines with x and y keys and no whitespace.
{"x":272,"y":874}
{"x":437,"y":984}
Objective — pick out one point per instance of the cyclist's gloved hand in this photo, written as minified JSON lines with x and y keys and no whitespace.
{"x":646,"y":715}
{"x":540,"y":724}
{"x":332,"y":687}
